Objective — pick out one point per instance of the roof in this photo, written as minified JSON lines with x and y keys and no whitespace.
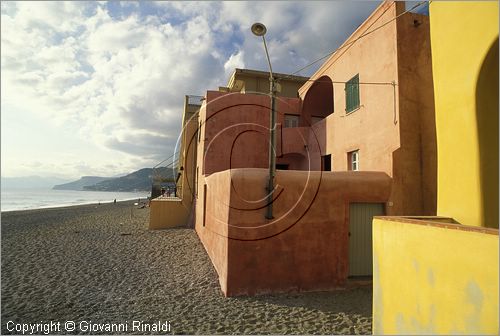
{"x":264,"y":74}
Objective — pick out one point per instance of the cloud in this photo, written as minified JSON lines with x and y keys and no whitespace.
{"x":235,"y":61}
{"x":116,"y":74}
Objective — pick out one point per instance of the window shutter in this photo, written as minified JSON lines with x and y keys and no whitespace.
{"x":352,"y":93}
{"x":355,"y":94}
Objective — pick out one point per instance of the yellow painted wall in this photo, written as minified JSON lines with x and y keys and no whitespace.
{"x":167,"y":213}
{"x":434,"y":280}
{"x":465,"y":69}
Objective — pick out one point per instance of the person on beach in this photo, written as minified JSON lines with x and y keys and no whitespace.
{"x":114,"y":201}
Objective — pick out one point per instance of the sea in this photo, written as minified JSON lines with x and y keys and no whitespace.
{"x":26,"y":199}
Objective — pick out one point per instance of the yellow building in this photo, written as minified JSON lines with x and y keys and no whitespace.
{"x":439,"y":275}
{"x":252,"y":81}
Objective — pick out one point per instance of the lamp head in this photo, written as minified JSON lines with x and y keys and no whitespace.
{"x":259,"y":29}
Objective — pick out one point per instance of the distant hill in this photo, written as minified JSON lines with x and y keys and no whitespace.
{"x":80,"y":184}
{"x":30,"y":182}
{"x":138,"y":180}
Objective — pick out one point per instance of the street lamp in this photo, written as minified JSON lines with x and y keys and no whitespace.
{"x":259,"y":29}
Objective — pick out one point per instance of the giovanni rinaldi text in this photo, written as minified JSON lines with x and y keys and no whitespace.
{"x":50,"y":327}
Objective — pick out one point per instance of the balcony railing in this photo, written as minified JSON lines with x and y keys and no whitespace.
{"x":195,"y":100}
{"x":164,"y":177}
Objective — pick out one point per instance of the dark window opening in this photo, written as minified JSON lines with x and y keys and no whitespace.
{"x":326,"y":162}
{"x":291,"y":120}
{"x":199,"y":131}
{"x":282,"y":166}
{"x":204,"y":203}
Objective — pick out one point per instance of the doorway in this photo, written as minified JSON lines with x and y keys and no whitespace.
{"x":360,"y":237}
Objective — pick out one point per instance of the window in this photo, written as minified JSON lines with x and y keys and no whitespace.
{"x":281,"y":166}
{"x":352,"y":94}
{"x":291,"y":120}
{"x":196,"y":183}
{"x":199,"y":131}
{"x":204,"y":204}
{"x":316,"y":119}
{"x":353,"y":160}
{"x":326,"y":162}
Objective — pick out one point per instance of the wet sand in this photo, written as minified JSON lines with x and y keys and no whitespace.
{"x":101,"y":264}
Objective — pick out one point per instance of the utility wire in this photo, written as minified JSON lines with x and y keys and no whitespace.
{"x":344,"y":82}
{"x":353,"y":41}
{"x":345,"y":45}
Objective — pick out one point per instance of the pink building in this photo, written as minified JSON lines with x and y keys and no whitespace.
{"x":358,"y":142}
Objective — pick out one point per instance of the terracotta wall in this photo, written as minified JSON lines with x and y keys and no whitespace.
{"x":211,"y":222}
{"x":393,"y":128}
{"x":371,"y":128}
{"x":235,"y":130}
{"x":304,"y":248}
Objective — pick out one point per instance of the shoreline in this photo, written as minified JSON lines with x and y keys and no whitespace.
{"x":69,"y":206}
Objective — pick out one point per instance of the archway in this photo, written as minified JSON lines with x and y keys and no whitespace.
{"x":318,"y":102}
{"x":487,"y":130}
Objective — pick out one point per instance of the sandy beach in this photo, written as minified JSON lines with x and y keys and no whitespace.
{"x":99,"y":264}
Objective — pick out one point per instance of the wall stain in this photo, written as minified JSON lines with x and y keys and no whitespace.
{"x":378,"y":305}
{"x":474,"y":296}
{"x":430,"y":277}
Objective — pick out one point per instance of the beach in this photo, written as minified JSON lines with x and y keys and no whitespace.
{"x":99,"y":266}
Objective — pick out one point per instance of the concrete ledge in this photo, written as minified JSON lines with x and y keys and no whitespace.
{"x":437,"y":221}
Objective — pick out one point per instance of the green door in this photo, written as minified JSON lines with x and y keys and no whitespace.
{"x":360,"y":237}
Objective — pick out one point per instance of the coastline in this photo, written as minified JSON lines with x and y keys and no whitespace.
{"x":21,"y":199}
{"x":69,"y":207}
{"x":100,"y":266}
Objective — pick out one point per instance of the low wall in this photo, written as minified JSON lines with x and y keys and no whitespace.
{"x":167,"y":212}
{"x":305,"y":246}
{"x":434,"y":278}
{"x":211,"y":221}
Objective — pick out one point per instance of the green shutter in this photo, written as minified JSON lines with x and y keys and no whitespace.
{"x":355,"y":93}
{"x":352,"y":94}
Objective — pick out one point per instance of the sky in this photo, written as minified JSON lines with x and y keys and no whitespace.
{"x":97,"y":88}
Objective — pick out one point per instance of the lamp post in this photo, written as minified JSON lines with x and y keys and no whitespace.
{"x":259,"y":29}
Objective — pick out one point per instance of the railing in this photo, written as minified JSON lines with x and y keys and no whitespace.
{"x":195,"y":100}
{"x":171,"y":192}
{"x":164,"y":176}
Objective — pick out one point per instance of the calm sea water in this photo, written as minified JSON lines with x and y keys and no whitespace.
{"x":19,"y":199}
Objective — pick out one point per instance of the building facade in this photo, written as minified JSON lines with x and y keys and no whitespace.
{"x":179,"y":210}
{"x":439,"y":275}
{"x":359,"y":141}
{"x":371,"y":107}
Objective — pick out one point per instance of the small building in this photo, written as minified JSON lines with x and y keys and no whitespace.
{"x":253,"y":81}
